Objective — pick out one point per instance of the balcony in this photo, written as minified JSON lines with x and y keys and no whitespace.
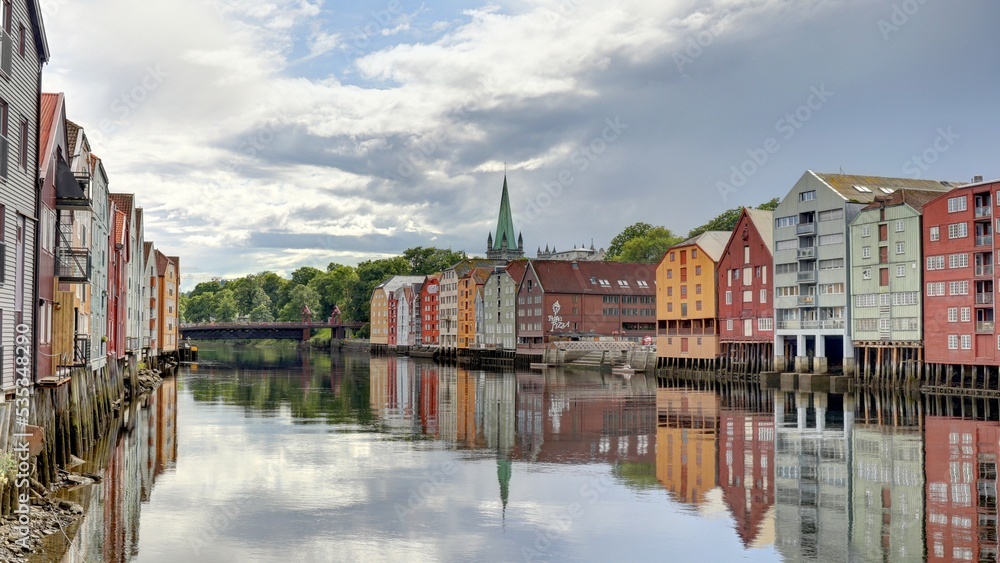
{"x":807,"y":277}
{"x":807,"y":301}
{"x":73,"y":264}
{"x":805,"y":229}
{"x":806,"y":253}
{"x":72,"y":189}
{"x":81,"y":350}
{"x":985,"y":211}
{"x":984,"y":327}
{"x":800,"y":325}
{"x":984,"y":299}
{"x":984,"y":240}
{"x":985,"y":270}
{"x":131,"y":343}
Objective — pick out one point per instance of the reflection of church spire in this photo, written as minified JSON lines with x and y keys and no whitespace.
{"x":504,"y":471}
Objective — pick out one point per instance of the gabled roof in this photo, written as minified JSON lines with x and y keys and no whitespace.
{"x":38,"y":30}
{"x":147,"y":248}
{"x":561,"y":276}
{"x":479,"y":275}
{"x":46,"y":126}
{"x":712,"y":243}
{"x":464,"y":266}
{"x":916,"y":199}
{"x":763,"y":221}
{"x":120,"y":228}
{"x":846,"y":185}
{"x":72,"y":133}
{"x":123,"y":202}
{"x":515,"y":269}
{"x":161,"y":263}
{"x":396,"y":282}
{"x":138,"y":219}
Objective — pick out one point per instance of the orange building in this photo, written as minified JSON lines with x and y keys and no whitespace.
{"x":687,"y":298}
{"x":686,"y":446}
{"x":468,"y":286}
{"x":169,"y":282}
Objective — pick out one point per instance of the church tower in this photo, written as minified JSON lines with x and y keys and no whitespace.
{"x":503,"y":245}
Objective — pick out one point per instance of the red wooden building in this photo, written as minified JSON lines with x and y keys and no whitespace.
{"x":118,"y":257}
{"x":746,"y":309}
{"x":430,"y":333}
{"x":959,"y":256}
{"x":580,"y":300}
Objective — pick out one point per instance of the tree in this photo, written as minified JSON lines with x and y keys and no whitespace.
{"x":650,"y":247}
{"x":200,"y":308}
{"x":302,"y":275}
{"x":332,"y":287}
{"x":261,"y":314}
{"x":226,"y":310}
{"x":424,"y":261}
{"x":272,"y":284}
{"x":615,"y":248}
{"x":213,"y":286}
{"x":370,"y":273}
{"x":726,"y":221}
{"x":300,"y":296}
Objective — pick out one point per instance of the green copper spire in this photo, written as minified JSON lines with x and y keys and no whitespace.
{"x":505,"y":222}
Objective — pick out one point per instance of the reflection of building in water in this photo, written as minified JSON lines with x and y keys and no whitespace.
{"x":746,"y":465}
{"x":961,"y":472}
{"x":812,"y":471}
{"x":888,"y":493}
{"x":405,"y":394}
{"x":581,"y":419}
{"x":495,"y":410}
{"x":686,"y":447}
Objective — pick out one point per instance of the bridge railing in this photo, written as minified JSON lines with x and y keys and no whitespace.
{"x":274,"y":324}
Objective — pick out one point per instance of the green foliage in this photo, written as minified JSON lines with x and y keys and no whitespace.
{"x":302,"y":275}
{"x":634,"y":231}
{"x":424,"y":261}
{"x":648,"y":248}
{"x":332,"y":287}
{"x":769,"y":205}
{"x":226,"y":310}
{"x":200,"y":308}
{"x":726,"y":221}
{"x":300,"y":296}
{"x":261,"y":314}
{"x":206,"y":287}
{"x":370,"y":274}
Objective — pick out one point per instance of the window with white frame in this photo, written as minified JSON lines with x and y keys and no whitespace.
{"x":807,"y":196}
{"x":866,"y":252}
{"x":748,"y":296}
{"x":866,"y":274}
{"x":729,"y":324}
{"x":866,"y":300}
{"x":763,"y":296}
{"x":966,"y":314}
{"x":765,"y":323}
{"x":835,"y":238}
{"x":791,"y":244}
{"x":935,"y":262}
{"x":958,"y":230}
{"x":866,"y":230}
{"x":935,"y":233}
{"x":952,"y":314}
{"x":958,"y":288}
{"x":956,"y":204}
{"x":966,"y":342}
{"x":953,"y":342}
{"x":905,"y":298}
{"x":900,"y":247}
{"x":958,"y":260}
{"x":900,"y":271}
{"x":935,"y":289}
{"x":899,"y":226}
{"x":831,"y":264}
{"x":790,"y":221}
{"x":831,"y":288}
{"x":786,"y":291}
{"x":729,"y":298}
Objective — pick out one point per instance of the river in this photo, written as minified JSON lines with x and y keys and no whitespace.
{"x":281,"y":455}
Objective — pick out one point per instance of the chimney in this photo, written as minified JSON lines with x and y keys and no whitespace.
{"x":976,"y":179}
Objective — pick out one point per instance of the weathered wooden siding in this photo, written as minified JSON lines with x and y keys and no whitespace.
{"x":758,"y":266}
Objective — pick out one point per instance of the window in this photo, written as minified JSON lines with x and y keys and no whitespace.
{"x":958,"y":288}
{"x":935,"y":289}
{"x":729,"y":298}
{"x":835,"y":238}
{"x":863,"y":189}
{"x":866,"y":231}
{"x":736,"y":274}
{"x":866,"y":274}
{"x":763,"y":296}
{"x":807,"y":196}
{"x":786,"y":244}
{"x":900,"y":247}
{"x":953,"y":342}
{"x":958,"y":260}
{"x":670,"y":274}
{"x":831,"y":288}
{"x":786,"y":291}
{"x":866,"y":300}
{"x":935,"y":233}
{"x":748,"y":296}
{"x":23,"y":144}
{"x":883,"y":276}
{"x":956,"y":204}
{"x":747,"y":276}
{"x":966,"y":342}
{"x":694,"y":253}
{"x":697,"y":289}
{"x":746,"y":254}
{"x":831,"y":264}
{"x":729,"y":324}
{"x":786,"y":221}
{"x":697,"y":305}
{"x":670,"y":291}
{"x":935,"y":262}
{"x":831,"y":215}
{"x":866,"y":252}
{"x":767,"y":323}
{"x":697,"y":271}
{"x":671,"y":256}
{"x":899,"y":226}
{"x":905,"y":298}
{"x":786,"y":268}
{"x":900,"y":271}
{"x":958,"y":230}
{"x":952,"y":314}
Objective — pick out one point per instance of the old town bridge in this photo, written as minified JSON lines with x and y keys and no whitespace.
{"x":294,"y":330}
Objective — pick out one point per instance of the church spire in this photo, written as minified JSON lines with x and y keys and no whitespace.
{"x":503,"y":242}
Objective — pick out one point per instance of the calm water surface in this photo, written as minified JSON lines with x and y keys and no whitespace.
{"x":279,"y":455}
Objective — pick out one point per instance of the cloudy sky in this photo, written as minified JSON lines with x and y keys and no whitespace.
{"x":273,"y":134}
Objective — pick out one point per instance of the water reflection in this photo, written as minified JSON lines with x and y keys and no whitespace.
{"x":347,"y":456}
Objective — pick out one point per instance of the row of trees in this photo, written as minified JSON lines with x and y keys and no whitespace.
{"x":266,"y":296}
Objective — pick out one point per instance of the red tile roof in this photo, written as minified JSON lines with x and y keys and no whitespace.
{"x":161,"y":263}
{"x":562,"y":276}
{"x":120,"y":227}
{"x":516,"y":269}
{"x":50,"y":105}
{"x":72,"y":132}
{"x":123,"y":202}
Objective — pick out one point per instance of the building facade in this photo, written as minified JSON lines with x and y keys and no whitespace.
{"x":469,"y":285}
{"x":960,"y":283}
{"x":429,"y":311}
{"x":687,"y":298}
{"x":499,"y":330}
{"x":811,"y":231}
{"x":746,"y":312}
